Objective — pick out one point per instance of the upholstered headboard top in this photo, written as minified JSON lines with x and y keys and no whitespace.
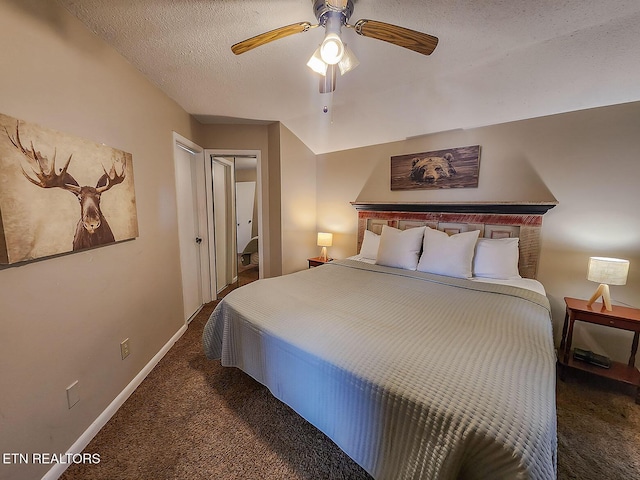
{"x":493,"y":221}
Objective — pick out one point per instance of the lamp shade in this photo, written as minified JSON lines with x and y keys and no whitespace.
{"x":610,"y":271}
{"x":325,"y":239}
{"x":349,"y":61}
{"x":316,"y":63}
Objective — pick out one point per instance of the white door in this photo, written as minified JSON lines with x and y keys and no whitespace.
{"x":245,"y":198}
{"x":188,"y":231}
{"x":224,"y":222}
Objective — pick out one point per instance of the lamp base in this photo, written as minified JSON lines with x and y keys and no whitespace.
{"x":602,"y":290}
{"x":323,"y":254}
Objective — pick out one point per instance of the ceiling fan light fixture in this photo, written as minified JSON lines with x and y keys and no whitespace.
{"x":316,"y":63}
{"x":328,"y":81}
{"x":333,"y":54}
{"x":332,"y":49}
{"x":349,"y":61}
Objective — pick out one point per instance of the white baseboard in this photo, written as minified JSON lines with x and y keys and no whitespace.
{"x":58,"y":469}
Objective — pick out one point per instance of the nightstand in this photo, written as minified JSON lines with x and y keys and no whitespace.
{"x":623,"y":318}
{"x":317,"y":261}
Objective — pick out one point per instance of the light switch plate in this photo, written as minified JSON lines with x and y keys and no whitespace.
{"x":124,"y":348}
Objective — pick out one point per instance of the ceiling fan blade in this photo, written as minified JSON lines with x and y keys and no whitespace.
{"x":263,"y":38}
{"x":403,"y":37}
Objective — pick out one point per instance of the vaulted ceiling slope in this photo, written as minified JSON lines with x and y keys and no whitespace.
{"x":497,"y":61}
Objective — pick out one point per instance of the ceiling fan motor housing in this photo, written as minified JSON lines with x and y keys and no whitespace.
{"x":325,"y":9}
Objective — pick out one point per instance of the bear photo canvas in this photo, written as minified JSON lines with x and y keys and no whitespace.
{"x":60,"y":193}
{"x":450,"y":168}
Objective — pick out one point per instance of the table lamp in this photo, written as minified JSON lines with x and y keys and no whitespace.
{"x":324,"y":240}
{"x":606,"y":271}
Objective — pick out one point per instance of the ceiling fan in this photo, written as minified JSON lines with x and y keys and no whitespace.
{"x":333,"y":54}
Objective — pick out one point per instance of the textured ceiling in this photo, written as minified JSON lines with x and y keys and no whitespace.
{"x":497,"y":61}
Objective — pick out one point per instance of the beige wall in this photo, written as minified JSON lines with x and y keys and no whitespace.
{"x":246,"y":175}
{"x":62,"y":319}
{"x":271,"y":178}
{"x":298,"y":187}
{"x":588,"y":161}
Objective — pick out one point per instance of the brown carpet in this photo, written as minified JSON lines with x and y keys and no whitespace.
{"x":193,"y":419}
{"x":598,"y":429}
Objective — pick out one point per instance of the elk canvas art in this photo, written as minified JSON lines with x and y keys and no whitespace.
{"x":60,"y":193}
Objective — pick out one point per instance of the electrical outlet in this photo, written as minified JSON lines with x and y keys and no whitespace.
{"x":73,"y":394}
{"x":124,"y":348}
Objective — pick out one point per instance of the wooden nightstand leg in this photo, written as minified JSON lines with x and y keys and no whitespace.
{"x":634,"y":349}
{"x":638,"y":395}
{"x":564,"y":330}
{"x":567,"y":346}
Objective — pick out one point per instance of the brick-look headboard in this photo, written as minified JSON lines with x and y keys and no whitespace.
{"x":496,"y":220}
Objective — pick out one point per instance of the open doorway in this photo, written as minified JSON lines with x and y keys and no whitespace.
{"x":247,"y":238}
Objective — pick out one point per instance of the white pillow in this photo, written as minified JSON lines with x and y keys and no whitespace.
{"x":400,"y":248}
{"x":448,"y":255}
{"x":370,"y":245}
{"x":497,"y":258}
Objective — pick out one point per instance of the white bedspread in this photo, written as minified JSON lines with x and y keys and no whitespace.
{"x":414,"y":376}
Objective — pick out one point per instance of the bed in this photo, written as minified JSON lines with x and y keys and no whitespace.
{"x":413,"y":374}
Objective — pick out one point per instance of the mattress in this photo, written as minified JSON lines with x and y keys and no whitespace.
{"x":413,"y":375}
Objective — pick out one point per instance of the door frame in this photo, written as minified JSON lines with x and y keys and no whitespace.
{"x":206,"y":262}
{"x":208,"y":153}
